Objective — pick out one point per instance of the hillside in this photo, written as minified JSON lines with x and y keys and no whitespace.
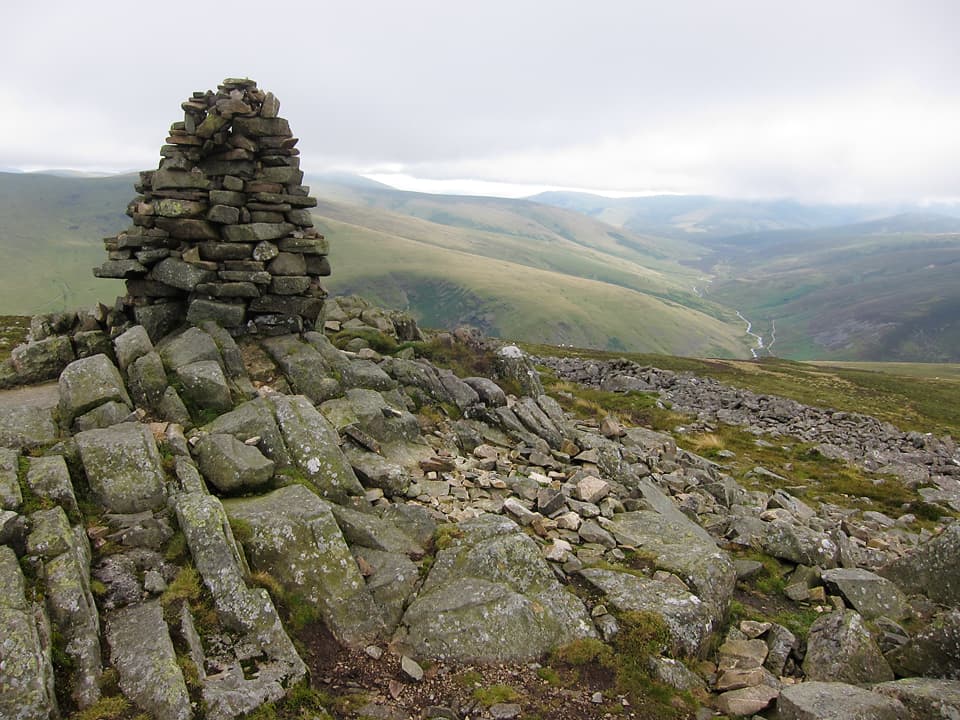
{"x":511,"y":267}
{"x":52,"y":227}
{"x":883,"y":290}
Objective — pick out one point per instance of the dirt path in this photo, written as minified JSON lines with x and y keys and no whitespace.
{"x":45,"y":395}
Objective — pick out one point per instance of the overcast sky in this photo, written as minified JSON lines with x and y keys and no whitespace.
{"x":837,"y":100}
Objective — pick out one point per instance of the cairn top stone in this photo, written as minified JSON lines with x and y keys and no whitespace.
{"x":229,"y":177}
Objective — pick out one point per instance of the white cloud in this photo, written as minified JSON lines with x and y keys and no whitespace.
{"x":818,"y":99}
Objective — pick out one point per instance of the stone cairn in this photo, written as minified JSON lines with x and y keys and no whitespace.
{"x":221,"y":230}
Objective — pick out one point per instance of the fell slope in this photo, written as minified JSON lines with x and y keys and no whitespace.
{"x":883,"y":290}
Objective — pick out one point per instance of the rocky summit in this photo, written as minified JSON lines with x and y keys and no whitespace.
{"x":210,"y":528}
{"x":238,"y":500}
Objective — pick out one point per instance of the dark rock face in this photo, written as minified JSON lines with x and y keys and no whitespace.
{"x":221,"y":229}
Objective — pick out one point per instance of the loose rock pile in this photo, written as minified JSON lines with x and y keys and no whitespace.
{"x":221,"y":230}
{"x":877,"y":446}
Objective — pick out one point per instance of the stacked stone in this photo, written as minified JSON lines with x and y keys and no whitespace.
{"x":221,"y":230}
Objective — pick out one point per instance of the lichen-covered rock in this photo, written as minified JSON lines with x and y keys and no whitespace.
{"x":205,"y":386}
{"x":294,"y":537}
{"x":934,"y":651}
{"x":372,"y":531}
{"x":925,"y":698}
{"x":230,"y":465}
{"x":515,"y":365}
{"x":10,"y":495}
{"x":254,"y":419}
{"x":679,"y":546}
{"x":314,"y":447}
{"x":26,"y":672}
{"x":147,"y":379}
{"x":123,"y":467}
{"x":142,"y":653}
{"x":391,"y":579}
{"x":868,"y":593}
{"x":836,"y":701}
{"x":43,"y":359}
{"x":73,"y":614}
{"x":492,"y":597}
{"x":242,"y":609}
{"x":371,"y":413}
{"x":103,"y":416}
{"x":304,"y":367}
{"x":840,"y":648}
{"x":192,"y":345}
{"x":487,"y":391}
{"x":48,"y":478}
{"x":688,"y":619}
{"x":130,"y":345}
{"x":88,"y":383}
{"x":932,"y":569}
{"x":799,"y":544}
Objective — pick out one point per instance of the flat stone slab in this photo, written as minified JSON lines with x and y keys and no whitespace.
{"x":836,"y":701}
{"x":925,"y":697}
{"x":869,"y":594}
{"x":27,"y":427}
{"x":142,"y":653}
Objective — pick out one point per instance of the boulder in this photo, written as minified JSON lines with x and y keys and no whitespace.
{"x":314,"y":447}
{"x":142,"y":653}
{"x":836,"y":701}
{"x":487,"y":390}
{"x":840,"y":648}
{"x":799,"y":544}
{"x":245,"y":610}
{"x":687,"y":618}
{"x":932,"y":569}
{"x":147,"y":380}
{"x":391,"y":579}
{"x":295,"y":538}
{"x":492,"y":597}
{"x":42,"y":359}
{"x":679,"y":546}
{"x":925,"y":698}
{"x":374,"y":532}
{"x":254,"y":419}
{"x":123,"y":467}
{"x":373,"y":415}
{"x":26,"y":672}
{"x":868,"y":593}
{"x":73,"y":613}
{"x":192,"y":345}
{"x":514,"y":365}
{"x":934,"y":651}
{"x":205,"y":386}
{"x":304,"y":367}
{"x":130,"y":345}
{"x":87,"y":383}
{"x":230,"y":465}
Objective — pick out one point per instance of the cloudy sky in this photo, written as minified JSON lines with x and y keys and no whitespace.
{"x":823,"y":100}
